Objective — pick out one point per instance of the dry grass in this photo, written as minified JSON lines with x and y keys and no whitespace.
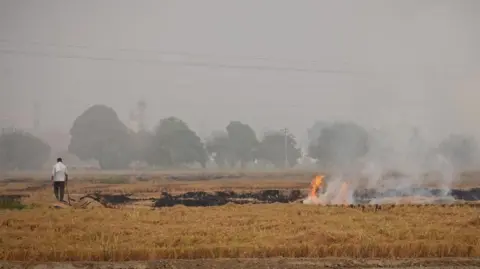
{"x":235,"y":231}
{"x":238,"y":231}
{"x":159,"y":185}
{"x":124,"y":184}
{"x":180,"y":181}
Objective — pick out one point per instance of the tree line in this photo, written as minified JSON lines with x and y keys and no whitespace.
{"x":98,"y":134}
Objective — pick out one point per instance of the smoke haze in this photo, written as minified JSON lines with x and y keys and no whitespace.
{"x":271,"y":64}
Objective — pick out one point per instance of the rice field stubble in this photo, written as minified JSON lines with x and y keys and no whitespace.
{"x":238,"y":231}
{"x":42,"y":234}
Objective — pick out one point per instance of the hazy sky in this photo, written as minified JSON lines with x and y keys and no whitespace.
{"x":269,"y":63}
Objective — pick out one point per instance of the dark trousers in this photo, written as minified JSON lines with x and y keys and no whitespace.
{"x":59,"y":189}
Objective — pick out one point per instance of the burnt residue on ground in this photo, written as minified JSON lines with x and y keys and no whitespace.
{"x":219,"y":198}
{"x":203,"y":177}
{"x":216,"y":176}
{"x":223,"y":197}
{"x":467,"y":195}
{"x":109,"y":200}
{"x":458,"y":194}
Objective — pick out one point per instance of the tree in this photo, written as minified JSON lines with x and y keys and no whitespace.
{"x":175,"y":144}
{"x":99,"y":134}
{"x":460,"y":150}
{"x":340,"y":144}
{"x":23,"y":151}
{"x":272,"y":149}
{"x":219,"y":146}
{"x":243,"y":142}
{"x":313,"y":133}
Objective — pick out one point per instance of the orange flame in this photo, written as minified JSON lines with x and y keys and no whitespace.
{"x":316,"y":185}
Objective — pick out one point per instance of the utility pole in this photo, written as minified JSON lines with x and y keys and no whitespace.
{"x":285,"y":132}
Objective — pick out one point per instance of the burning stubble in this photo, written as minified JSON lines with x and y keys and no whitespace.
{"x":388,"y":181}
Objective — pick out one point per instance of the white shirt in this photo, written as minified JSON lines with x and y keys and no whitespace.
{"x":59,"y":171}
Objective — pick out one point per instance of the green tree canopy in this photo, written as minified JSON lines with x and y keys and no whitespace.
{"x":219,"y":146}
{"x":99,"y":134}
{"x":272,"y":149}
{"x":243,"y":142}
{"x":174,"y":143}
{"x":22,"y":151}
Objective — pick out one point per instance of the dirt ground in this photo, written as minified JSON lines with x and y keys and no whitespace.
{"x":278,"y":263}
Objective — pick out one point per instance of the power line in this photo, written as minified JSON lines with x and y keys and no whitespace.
{"x":164,"y":52}
{"x":189,"y":54}
{"x":174,"y":63}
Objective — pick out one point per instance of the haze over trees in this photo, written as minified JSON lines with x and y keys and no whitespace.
{"x":339,"y":144}
{"x":239,"y":145}
{"x":243,"y":142}
{"x":412,"y":62}
{"x":175,"y":144}
{"x":460,"y":150}
{"x":99,"y":134}
{"x":272,"y":149}
{"x":220,"y":148}
{"x":22,"y":151}
{"x":236,"y":145}
{"x":314,"y":132}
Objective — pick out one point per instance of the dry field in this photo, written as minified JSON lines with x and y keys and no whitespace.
{"x":129,"y":230}
{"x":277,"y":263}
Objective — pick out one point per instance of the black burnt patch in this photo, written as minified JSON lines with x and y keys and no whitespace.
{"x":368,"y":194}
{"x":466,"y":195}
{"x":219,"y":198}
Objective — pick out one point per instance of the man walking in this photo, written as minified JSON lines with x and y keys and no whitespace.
{"x":59,"y":179}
